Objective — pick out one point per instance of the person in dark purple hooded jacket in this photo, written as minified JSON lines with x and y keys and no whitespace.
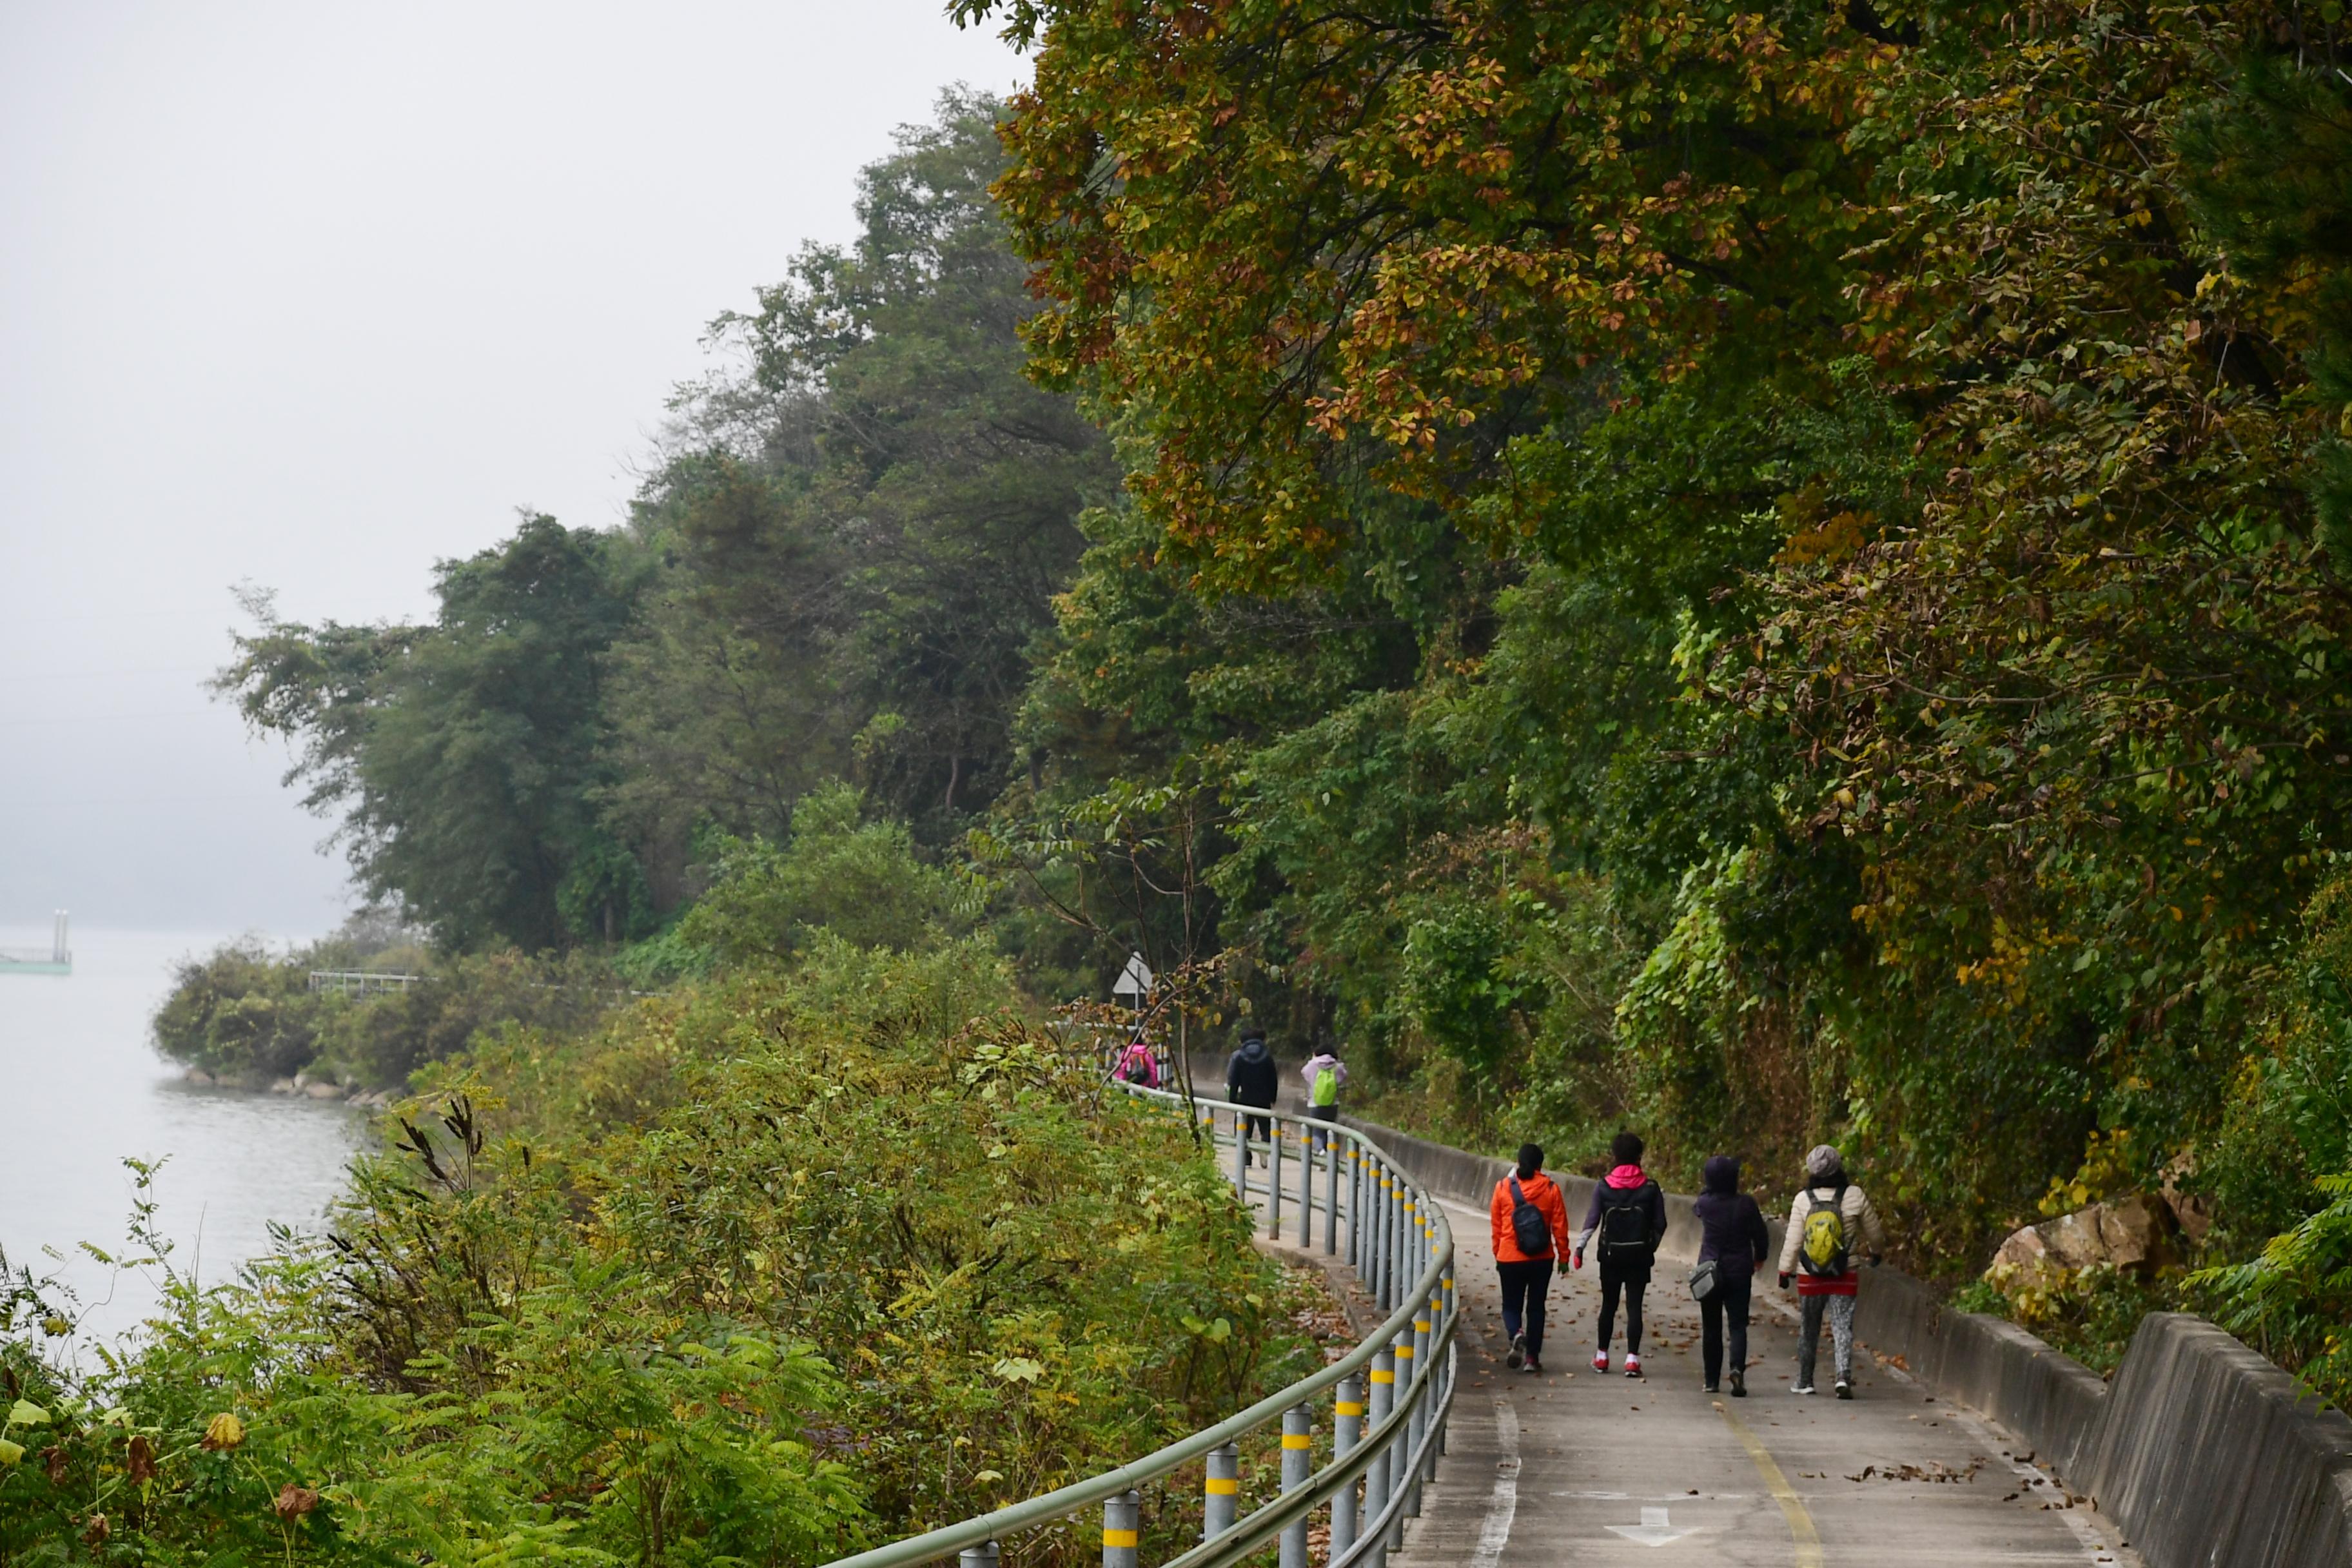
{"x":1733,"y":1235}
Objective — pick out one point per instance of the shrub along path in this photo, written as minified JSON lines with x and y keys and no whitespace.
{"x":1574,"y":1466}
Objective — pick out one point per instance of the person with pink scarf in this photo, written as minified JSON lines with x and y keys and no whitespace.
{"x":1628,"y":1219}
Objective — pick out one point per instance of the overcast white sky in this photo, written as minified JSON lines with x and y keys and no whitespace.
{"x":315,"y":294}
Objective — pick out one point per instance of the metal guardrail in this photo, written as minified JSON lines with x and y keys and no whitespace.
{"x":1391,"y":1395}
{"x":360,"y":982}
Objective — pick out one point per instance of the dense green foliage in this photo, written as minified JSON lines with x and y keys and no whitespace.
{"x":1772,"y":574}
{"x":755,"y":1272}
{"x":1848,"y":491}
{"x":249,"y":1016}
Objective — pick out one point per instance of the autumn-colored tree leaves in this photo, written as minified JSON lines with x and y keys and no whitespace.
{"x":1935,"y":380}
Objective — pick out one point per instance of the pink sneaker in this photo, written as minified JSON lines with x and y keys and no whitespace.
{"x":1600,"y":1361}
{"x":1633,"y":1365}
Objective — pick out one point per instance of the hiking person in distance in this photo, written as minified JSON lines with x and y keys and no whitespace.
{"x":1530,"y":1226}
{"x":1251,"y":1079}
{"x":1734,"y":1239}
{"x":1825,"y":1222}
{"x":1139,"y":1064}
{"x":1326,"y":1076}
{"x":1624,"y":1227}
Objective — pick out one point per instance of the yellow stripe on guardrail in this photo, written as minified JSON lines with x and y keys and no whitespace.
{"x":1222,"y":1486}
{"x":1296,"y":1440}
{"x":1345,"y":1408}
{"x":1379,"y":1376}
{"x":1118,"y":1537}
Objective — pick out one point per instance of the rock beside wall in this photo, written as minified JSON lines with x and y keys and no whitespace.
{"x":2138,"y":1234}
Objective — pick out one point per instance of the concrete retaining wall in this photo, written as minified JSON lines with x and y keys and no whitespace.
{"x":2200,"y":1450}
{"x":2206,"y":1456}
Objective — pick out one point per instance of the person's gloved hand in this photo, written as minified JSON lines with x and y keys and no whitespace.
{"x":1784,"y":1281}
{"x":1576,"y":1260}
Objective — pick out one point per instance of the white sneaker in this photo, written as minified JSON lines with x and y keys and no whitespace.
{"x":1600,"y":1361}
{"x":1802,"y":1388}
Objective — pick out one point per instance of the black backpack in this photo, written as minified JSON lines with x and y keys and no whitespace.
{"x":1528,"y":1226}
{"x":1624,"y":1222}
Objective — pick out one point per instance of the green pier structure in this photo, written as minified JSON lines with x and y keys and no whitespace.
{"x":58,"y":960}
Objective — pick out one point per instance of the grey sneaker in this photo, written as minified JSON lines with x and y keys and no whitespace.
{"x":1844,"y":1389}
{"x":1804,"y":1388}
{"x":1518,"y":1351}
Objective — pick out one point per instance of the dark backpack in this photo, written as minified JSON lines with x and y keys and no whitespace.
{"x":1528,"y":1226}
{"x":1624,"y":1222}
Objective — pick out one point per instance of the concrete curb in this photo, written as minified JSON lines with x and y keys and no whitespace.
{"x":2199,"y":1451}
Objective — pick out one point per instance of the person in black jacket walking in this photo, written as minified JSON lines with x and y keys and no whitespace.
{"x":1251,"y":1079}
{"x":1735,"y":1240}
{"x":1629,"y":1213}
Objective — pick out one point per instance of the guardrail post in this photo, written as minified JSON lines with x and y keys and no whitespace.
{"x":1421,"y":1374}
{"x":1358,"y":1259}
{"x":1223,"y":1491}
{"x":1331,"y":1191}
{"x":981,"y":1557}
{"x":1376,"y":1478}
{"x":1424,"y":1334}
{"x":1241,"y":1158}
{"x":1306,"y":1185}
{"x":1273,"y":1179}
{"x":1347,"y":1426}
{"x":1400,"y":1474}
{"x":1385,"y":1224}
{"x":1448,"y":1306}
{"x":1298,"y":1466}
{"x":1122,"y":1518}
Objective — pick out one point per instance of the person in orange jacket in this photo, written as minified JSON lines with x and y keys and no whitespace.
{"x":1530,"y":1223}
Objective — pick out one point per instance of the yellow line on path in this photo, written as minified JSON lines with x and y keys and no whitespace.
{"x":1806,"y":1540}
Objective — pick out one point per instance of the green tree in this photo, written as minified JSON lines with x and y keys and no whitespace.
{"x":466,"y":756}
{"x":865,"y":520}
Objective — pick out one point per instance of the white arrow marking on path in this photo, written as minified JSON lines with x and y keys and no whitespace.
{"x":1653,"y":1529}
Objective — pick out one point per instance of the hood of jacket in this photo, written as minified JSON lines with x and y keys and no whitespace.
{"x":1626,"y":1176}
{"x":1720,"y":1174}
{"x":1254,"y":1050}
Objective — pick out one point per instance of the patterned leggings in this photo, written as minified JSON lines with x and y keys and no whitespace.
{"x":1841,"y":1315}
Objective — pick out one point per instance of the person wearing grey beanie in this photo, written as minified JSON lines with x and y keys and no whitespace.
{"x":1827,"y":1220}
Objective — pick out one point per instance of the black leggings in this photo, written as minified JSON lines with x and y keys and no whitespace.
{"x":1728,"y":1307}
{"x":1633,"y":1287}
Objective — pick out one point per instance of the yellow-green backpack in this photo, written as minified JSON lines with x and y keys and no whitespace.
{"x":1823,"y":1248}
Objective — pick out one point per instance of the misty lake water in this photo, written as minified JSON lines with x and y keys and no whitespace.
{"x":82,"y":1087}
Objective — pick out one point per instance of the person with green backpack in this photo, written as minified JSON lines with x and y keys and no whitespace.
{"x":1826,"y":1222}
{"x":1326,"y":1076}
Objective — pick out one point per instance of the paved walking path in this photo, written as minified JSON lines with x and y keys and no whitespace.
{"x":1573,"y":1468}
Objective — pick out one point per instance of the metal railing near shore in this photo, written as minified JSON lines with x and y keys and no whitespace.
{"x":360,"y":982}
{"x":1389,"y":1398}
